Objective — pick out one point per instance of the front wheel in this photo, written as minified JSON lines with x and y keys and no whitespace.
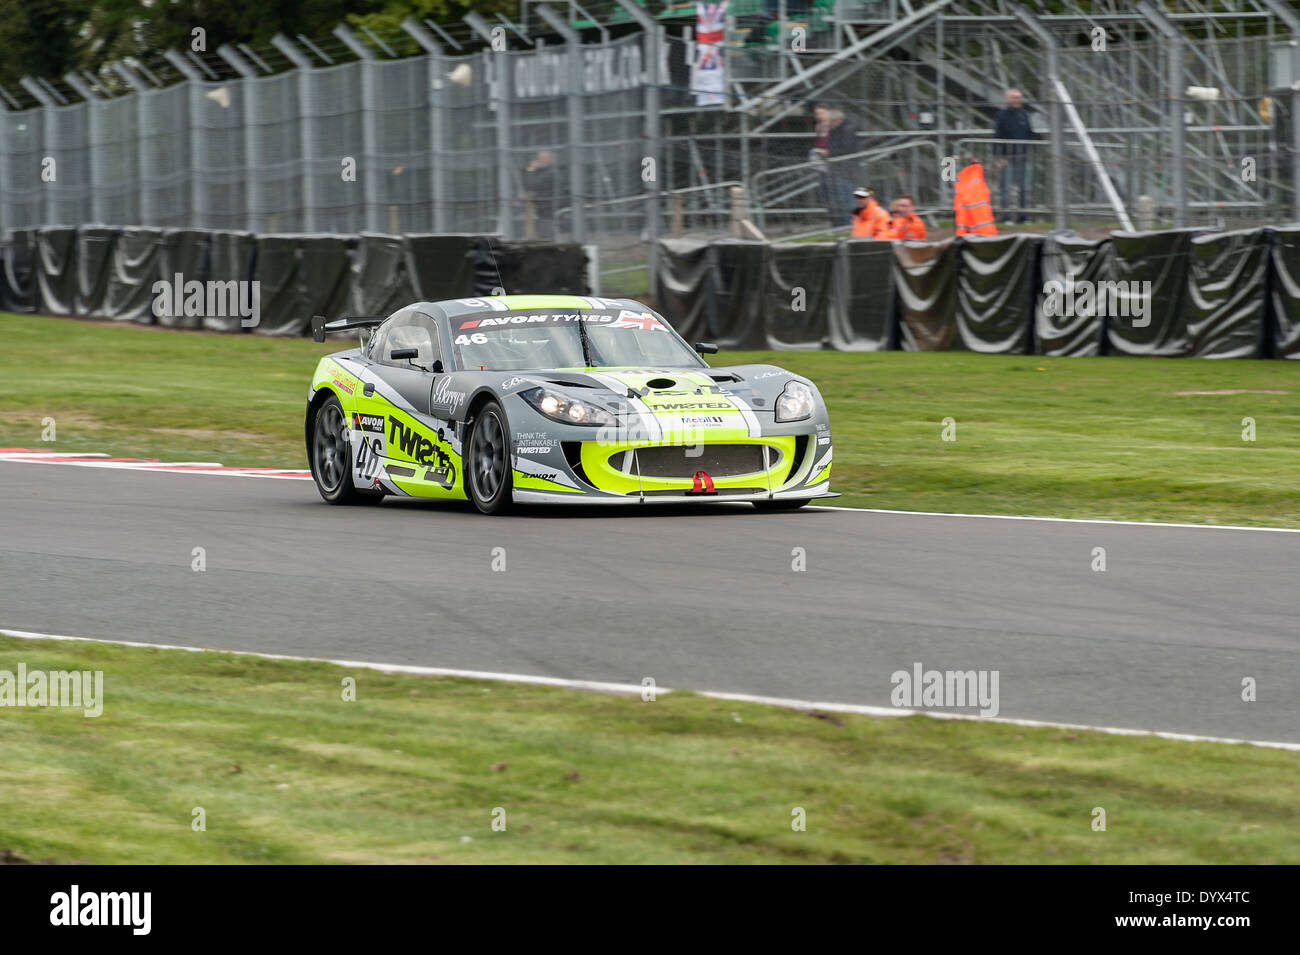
{"x":488,"y":475}
{"x":781,"y":504}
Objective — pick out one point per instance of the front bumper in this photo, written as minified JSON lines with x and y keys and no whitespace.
{"x":545,"y":497}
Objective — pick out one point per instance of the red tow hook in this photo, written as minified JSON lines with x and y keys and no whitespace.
{"x":703,"y":484}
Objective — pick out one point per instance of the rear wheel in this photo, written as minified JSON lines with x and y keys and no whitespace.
{"x":488,"y":475}
{"x":331,"y":455}
{"x":781,"y":504}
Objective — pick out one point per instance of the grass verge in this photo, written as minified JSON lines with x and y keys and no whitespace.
{"x":1117,"y":438}
{"x":412,"y":770}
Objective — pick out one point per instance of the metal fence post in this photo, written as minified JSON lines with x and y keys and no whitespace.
{"x":7,"y":215}
{"x":1049,"y":44}
{"x":1178,"y":144}
{"x":198,"y":137}
{"x":49,"y":145}
{"x":95,"y":126}
{"x":254,"y":203}
{"x":306,"y":111}
{"x":498,"y":64}
{"x":653,"y":129}
{"x":1292,"y":21}
{"x":573,"y":50}
{"x":372,"y":215}
{"x":437,"y":135}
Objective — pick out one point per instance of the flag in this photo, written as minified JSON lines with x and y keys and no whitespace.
{"x":709,"y":79}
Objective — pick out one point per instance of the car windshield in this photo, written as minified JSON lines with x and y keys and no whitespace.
{"x":554,"y":338}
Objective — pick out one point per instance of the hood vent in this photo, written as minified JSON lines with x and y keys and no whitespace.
{"x":569,"y":384}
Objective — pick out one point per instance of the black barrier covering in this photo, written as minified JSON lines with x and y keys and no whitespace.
{"x":94,"y":261}
{"x":440,"y":266}
{"x":996,"y":291}
{"x":925,"y":275}
{"x":380,"y":281}
{"x":862,"y":314}
{"x":230,"y":260}
{"x":1067,"y":324}
{"x":300,"y":276}
{"x":1227,"y":294}
{"x":1160,"y":259}
{"x":182,"y":258}
{"x":483,"y":267}
{"x":739,"y":277}
{"x":18,"y":284}
{"x":798,"y":293}
{"x":1285,"y":293}
{"x":683,"y":287}
{"x":129,"y":294}
{"x":558,"y":268}
{"x":56,"y":269}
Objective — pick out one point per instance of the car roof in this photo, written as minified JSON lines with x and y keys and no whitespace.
{"x":456,"y":307}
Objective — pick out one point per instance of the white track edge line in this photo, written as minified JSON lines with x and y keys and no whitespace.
{"x":290,"y":476}
{"x":635,"y":689}
{"x":1059,"y":520}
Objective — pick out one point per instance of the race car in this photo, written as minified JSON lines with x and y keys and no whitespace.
{"x":555,"y":399}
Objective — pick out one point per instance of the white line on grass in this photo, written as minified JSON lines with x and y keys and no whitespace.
{"x":634,"y":689}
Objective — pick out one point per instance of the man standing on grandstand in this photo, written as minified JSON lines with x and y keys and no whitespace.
{"x":1013,"y":158}
{"x":540,"y":185}
{"x":836,"y":136}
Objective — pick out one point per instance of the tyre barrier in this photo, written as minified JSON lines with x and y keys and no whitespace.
{"x":269,"y":284}
{"x":1176,"y":293}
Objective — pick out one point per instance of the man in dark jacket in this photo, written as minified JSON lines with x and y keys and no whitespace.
{"x":540,"y":185}
{"x":1013,"y":161}
{"x":836,"y":136}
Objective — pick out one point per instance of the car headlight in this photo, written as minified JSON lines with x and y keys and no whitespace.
{"x":795,"y":403}
{"x":568,"y":410}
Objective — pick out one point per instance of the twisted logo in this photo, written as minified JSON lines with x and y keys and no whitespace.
{"x":423,"y":451}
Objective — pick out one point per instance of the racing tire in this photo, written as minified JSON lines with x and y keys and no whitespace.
{"x":330,"y":456}
{"x":781,"y":504}
{"x":488,"y":476}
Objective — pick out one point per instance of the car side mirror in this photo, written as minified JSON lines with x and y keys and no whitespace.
{"x":403,"y":354}
{"x":706,"y":348}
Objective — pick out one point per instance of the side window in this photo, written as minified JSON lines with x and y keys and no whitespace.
{"x":406,"y":332}
{"x":375,"y":343}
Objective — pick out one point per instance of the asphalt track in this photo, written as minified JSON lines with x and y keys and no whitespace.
{"x":698,"y":598}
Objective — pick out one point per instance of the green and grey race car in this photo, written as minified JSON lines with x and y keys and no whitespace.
{"x":555,"y":399}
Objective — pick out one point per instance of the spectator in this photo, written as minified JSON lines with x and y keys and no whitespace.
{"x":836,"y":137}
{"x":539,"y":185}
{"x":1013,"y":158}
{"x":904,"y":223}
{"x":870,"y":221}
{"x":971,"y":202}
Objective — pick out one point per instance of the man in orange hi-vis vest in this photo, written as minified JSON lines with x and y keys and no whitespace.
{"x":870,"y":221}
{"x":971,"y":203}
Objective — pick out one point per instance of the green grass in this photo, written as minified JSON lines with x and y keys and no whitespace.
{"x":411,"y":771}
{"x":1086,"y":437}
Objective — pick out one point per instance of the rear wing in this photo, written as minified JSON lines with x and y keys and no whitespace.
{"x":320,"y":327}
